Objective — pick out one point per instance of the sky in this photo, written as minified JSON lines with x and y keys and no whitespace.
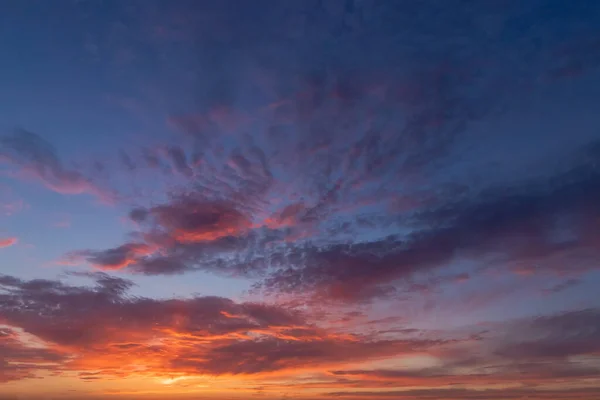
{"x":303,"y":199}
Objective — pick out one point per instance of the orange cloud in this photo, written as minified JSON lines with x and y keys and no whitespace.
{"x":117,"y":334}
{"x":111,"y":259}
{"x":100,"y":332}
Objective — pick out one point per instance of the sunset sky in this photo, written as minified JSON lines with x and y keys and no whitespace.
{"x":300,"y":199}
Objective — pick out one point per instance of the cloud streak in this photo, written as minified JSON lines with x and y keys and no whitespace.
{"x":36,"y":158}
{"x":7,"y":242}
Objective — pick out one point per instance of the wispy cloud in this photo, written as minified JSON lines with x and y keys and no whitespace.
{"x":7,"y":242}
{"x":36,"y":158}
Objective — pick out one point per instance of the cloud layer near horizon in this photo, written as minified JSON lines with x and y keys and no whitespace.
{"x":98,"y":330}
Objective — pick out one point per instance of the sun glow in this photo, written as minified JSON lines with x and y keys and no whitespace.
{"x":170,"y":381}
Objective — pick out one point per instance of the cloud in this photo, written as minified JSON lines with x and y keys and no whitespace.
{"x":539,"y":225}
{"x":557,"y":337}
{"x":36,"y":158}
{"x":90,"y":314}
{"x":190,"y":219}
{"x":109,"y":330}
{"x":290,"y":215}
{"x":178,"y":159}
{"x":126,"y":161}
{"x":179,"y":236}
{"x":166,"y":256}
{"x":474,"y":394}
{"x":7,"y":242}
{"x":562,"y":286}
{"x":532,"y":227}
{"x":536,"y":350}
{"x":19,"y":360}
{"x":336,"y":145}
{"x":314,"y":352}
{"x":116,"y":258}
{"x":327,"y":178}
{"x":480,"y":372}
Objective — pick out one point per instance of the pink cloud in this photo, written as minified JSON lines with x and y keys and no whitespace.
{"x":7,"y":242}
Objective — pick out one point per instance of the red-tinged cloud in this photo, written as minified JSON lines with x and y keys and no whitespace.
{"x":36,"y":158}
{"x":7,"y":242}
{"x":195,"y":220}
{"x":116,"y":258}
{"x":19,"y":360}
{"x":287,"y":217}
{"x":111,"y":331}
{"x":183,"y":235}
{"x":166,"y":256}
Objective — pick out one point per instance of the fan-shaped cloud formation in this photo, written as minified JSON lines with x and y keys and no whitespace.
{"x":305,"y":200}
